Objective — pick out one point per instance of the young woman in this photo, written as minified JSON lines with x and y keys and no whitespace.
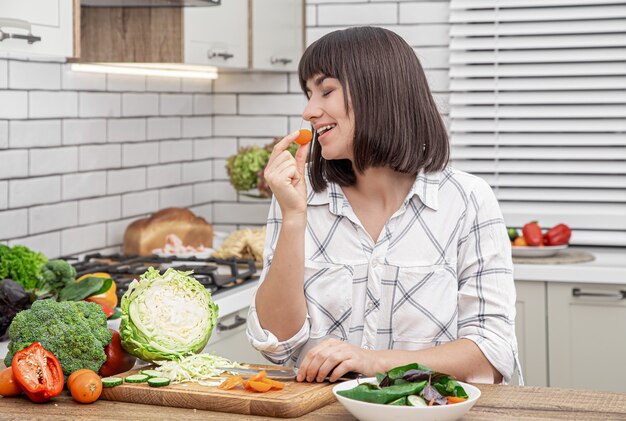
{"x":378,"y":253}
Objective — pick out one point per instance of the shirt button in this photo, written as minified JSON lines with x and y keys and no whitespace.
{"x":374,"y":264}
{"x":370,"y":305}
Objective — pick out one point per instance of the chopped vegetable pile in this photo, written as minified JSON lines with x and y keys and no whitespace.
{"x":197,"y":368}
{"x":409,"y":385}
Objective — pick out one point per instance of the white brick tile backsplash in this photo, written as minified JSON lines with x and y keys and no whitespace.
{"x":13,"y":104}
{"x":438,"y":80}
{"x":140,"y":203}
{"x":84,"y":131}
{"x":34,"y":191}
{"x":34,"y":133}
{"x":240,"y":213}
{"x":424,"y":12}
{"x":49,"y":244}
{"x":53,"y":160}
{"x":4,"y":74}
{"x":13,"y":223}
{"x":175,"y":150}
{"x":135,"y":105}
{"x":423,"y":35}
{"x":336,"y":1}
{"x":179,"y":197}
{"x":126,"y":130}
{"x":163,"y":84}
{"x":136,"y":154}
{"x":4,"y":194}
{"x":176,"y":104}
{"x":250,"y":126}
{"x":251,"y":82}
{"x":85,"y":184}
{"x":43,"y":104}
{"x":203,"y":193}
{"x":97,"y":157}
{"x":197,"y":126}
{"x":164,"y":128}
{"x":203,"y":211}
{"x":13,"y":163}
{"x":219,"y":169}
{"x":78,"y":240}
{"x":294,"y":84}
{"x":224,"y":103}
{"x":82,"y":81}
{"x":122,"y":181}
{"x":220,"y":147}
{"x":29,"y":75}
{"x":52,"y":217}
{"x":115,"y":231}
{"x":197,"y":171}
{"x":197,"y":85}
{"x":311,"y":15}
{"x":164,"y":175}
{"x":99,"y":104}
{"x":126,"y":82}
{"x":202,"y":104}
{"x":4,"y":134}
{"x":223,"y":191}
{"x":433,"y":57}
{"x":99,"y":210}
{"x":357,"y":14}
{"x":288,"y":104}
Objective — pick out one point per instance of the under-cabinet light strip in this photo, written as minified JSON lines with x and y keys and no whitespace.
{"x":134,"y":69}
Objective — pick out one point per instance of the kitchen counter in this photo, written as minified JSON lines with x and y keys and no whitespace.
{"x":609,"y":267}
{"x":496,"y":403}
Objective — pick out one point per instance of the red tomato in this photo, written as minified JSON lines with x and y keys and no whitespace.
{"x":118,"y":360}
{"x":8,"y":384}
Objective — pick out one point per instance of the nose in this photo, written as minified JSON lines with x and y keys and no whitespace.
{"x":312,"y":111}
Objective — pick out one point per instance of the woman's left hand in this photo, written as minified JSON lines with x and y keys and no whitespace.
{"x":336,"y":356}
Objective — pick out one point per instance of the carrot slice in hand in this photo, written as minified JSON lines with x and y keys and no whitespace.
{"x":259,"y":386}
{"x":230,"y":383}
{"x":455,"y":399}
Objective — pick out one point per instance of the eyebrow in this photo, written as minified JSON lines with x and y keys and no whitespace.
{"x":318,"y":81}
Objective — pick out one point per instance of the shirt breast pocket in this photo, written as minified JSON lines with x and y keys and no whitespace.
{"x":424,"y":305}
{"x":328,"y":293}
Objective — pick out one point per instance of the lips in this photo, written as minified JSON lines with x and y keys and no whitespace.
{"x":324,"y":129}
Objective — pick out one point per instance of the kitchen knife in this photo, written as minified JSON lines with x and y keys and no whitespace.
{"x":286,"y":373}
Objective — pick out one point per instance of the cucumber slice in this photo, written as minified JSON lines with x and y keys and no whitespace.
{"x":136,"y":378}
{"x":414,"y":400}
{"x":158,"y":381}
{"x":111,"y":381}
{"x":151,"y":373}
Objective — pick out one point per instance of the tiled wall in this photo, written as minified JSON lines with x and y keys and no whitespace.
{"x":82,"y":155}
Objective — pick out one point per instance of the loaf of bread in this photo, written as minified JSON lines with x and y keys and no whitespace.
{"x":147,"y":234}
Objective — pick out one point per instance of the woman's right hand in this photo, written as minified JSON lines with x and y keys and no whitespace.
{"x":285,"y":176}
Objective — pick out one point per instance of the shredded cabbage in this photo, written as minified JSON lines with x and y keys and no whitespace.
{"x":197,"y":368}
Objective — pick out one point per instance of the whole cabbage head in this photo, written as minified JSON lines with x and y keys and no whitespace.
{"x":165,"y":317}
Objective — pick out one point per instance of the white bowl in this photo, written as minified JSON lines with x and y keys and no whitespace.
{"x":536,"y":251}
{"x":366,"y":411}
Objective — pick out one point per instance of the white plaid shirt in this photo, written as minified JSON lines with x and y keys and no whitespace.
{"x":441,"y":270}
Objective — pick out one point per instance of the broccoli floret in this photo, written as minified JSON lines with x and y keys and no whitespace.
{"x":74,"y":331}
{"x":22,"y":265}
{"x":54,"y":276}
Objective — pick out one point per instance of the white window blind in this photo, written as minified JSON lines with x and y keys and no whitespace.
{"x":538,"y":109}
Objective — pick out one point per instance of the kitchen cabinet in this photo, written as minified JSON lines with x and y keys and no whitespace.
{"x":39,"y":27}
{"x":587,"y":336}
{"x":277,"y":34}
{"x":530,"y":329}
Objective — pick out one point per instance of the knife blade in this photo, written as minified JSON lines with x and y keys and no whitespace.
{"x":286,"y":373}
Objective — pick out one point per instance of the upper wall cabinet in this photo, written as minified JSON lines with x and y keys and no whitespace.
{"x":277,"y":34}
{"x":39,"y":27}
{"x":217,"y":36}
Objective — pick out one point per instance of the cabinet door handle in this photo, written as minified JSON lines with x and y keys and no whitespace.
{"x":283,"y":61}
{"x":223,"y":54}
{"x":620,"y":295}
{"x":221,"y":327}
{"x":17,"y":23}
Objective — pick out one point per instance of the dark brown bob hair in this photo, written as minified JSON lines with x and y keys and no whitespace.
{"x":397,"y":123}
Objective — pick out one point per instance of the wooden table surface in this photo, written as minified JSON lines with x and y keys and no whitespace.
{"x":496,"y":403}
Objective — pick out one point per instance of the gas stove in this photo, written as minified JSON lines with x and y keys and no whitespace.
{"x":217,"y":275}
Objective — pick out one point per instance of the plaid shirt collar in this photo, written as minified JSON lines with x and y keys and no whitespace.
{"x":426,"y":187}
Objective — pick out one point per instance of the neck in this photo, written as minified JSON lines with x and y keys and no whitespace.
{"x":384,"y":185}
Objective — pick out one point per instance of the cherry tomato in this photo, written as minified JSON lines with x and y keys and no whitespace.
{"x":118,"y":360}
{"x":72,"y":377}
{"x":86,"y":387}
{"x":8,"y":384}
{"x":304,"y":137}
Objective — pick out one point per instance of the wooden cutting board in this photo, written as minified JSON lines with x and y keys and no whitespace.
{"x":294,"y":400}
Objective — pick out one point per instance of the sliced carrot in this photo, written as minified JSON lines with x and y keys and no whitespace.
{"x":455,"y":399}
{"x":259,"y":386}
{"x":432,"y":402}
{"x":274,"y":383}
{"x":258,"y":376}
{"x":230,"y":383}
{"x":246,"y":385}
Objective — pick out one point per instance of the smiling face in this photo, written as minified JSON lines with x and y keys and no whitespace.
{"x":326,"y":110}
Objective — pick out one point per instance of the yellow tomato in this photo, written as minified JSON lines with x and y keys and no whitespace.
{"x":108,"y":298}
{"x":520,"y":242}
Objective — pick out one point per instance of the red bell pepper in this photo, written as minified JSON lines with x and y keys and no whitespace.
{"x":558,"y":235}
{"x":38,"y":372}
{"x":532,"y":234}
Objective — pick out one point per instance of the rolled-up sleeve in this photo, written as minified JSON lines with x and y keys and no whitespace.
{"x":278,"y":352}
{"x":486,"y":294}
